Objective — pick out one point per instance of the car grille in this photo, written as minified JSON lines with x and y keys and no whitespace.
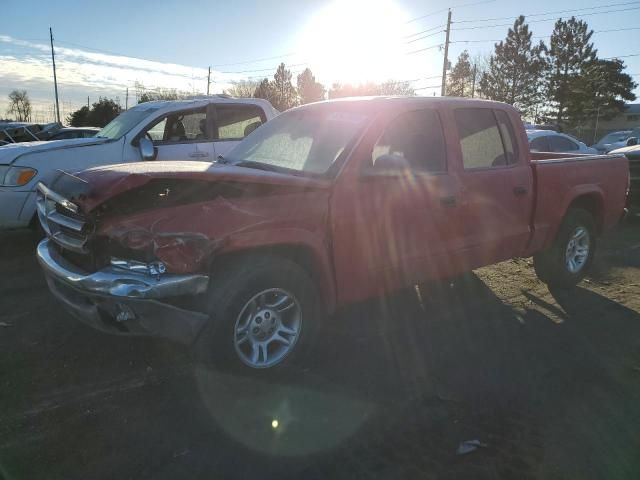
{"x":62,"y":221}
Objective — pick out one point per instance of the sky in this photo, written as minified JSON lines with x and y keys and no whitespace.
{"x":103,"y":48}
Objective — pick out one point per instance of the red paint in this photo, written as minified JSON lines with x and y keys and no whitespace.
{"x":367,"y":234}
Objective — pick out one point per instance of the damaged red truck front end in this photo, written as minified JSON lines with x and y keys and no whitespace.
{"x":130,"y":248}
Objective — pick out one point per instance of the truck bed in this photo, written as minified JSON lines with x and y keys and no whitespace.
{"x":587,"y":181}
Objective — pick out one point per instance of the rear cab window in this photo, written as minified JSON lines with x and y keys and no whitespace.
{"x":234,"y":122}
{"x":487,"y":139}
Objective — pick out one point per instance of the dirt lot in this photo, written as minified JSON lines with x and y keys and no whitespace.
{"x":549,"y":383}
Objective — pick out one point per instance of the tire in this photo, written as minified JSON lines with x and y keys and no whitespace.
{"x":247,"y":292}
{"x":553,"y":267}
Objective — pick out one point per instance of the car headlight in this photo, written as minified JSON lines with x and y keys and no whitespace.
{"x":16,"y":176}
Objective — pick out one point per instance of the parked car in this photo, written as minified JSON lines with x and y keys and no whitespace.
{"x":550,"y":141}
{"x":613,"y":141}
{"x":178,"y":130}
{"x":632,"y":152}
{"x":328,"y":204}
{"x":16,"y":132}
{"x":74,"y":132}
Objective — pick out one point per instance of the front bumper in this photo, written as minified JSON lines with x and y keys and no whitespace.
{"x":117,"y":301}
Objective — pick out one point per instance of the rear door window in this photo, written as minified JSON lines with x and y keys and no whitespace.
{"x":180,"y":127}
{"x":480,"y":138}
{"x":417,"y":137}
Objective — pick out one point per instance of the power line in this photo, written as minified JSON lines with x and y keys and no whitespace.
{"x":541,"y":20}
{"x":549,"y":13}
{"x":265,"y":69}
{"x":446,"y":9}
{"x":439,"y":45}
{"x":424,"y":31}
{"x":622,"y":56}
{"x":546,"y":36}
{"x":426,"y":36}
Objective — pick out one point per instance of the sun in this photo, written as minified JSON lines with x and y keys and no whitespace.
{"x":353,"y":41}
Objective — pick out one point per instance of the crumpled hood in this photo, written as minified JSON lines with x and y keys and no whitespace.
{"x":10,"y":153}
{"x":90,"y":188}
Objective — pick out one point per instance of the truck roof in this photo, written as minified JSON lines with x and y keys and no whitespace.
{"x":203,"y":101}
{"x":376,"y":102}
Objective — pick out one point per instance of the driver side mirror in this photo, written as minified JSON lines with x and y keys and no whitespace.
{"x":147,"y":150}
{"x":632,"y":141}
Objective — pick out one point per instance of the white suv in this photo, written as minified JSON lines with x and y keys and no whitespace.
{"x":199,"y":129}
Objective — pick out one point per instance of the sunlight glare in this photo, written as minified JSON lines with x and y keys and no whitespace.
{"x":352,"y":41}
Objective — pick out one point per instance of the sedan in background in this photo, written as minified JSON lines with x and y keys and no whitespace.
{"x":613,"y":140}
{"x":550,"y":141}
{"x":74,"y":132}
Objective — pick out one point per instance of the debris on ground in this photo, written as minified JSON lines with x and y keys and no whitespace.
{"x":469,"y":446}
{"x":5,"y":324}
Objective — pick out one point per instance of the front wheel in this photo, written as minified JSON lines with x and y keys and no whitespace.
{"x":264,"y":313}
{"x":566,"y":262}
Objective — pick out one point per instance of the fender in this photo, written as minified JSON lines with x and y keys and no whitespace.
{"x":289,"y":241}
{"x":591,"y":190}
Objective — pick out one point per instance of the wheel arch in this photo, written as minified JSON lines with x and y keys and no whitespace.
{"x":306,"y":256}
{"x":591,"y":202}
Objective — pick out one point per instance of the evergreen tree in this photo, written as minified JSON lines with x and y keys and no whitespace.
{"x":460,"y":79}
{"x":308,"y":89}
{"x":285,"y":92}
{"x":569,"y":53}
{"x":601,"y":89}
{"x":515,"y":70}
{"x":265,"y":90}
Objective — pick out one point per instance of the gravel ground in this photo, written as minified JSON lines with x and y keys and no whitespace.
{"x":548,"y":383}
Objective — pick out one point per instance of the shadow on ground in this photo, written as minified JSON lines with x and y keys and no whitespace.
{"x":394,"y":386}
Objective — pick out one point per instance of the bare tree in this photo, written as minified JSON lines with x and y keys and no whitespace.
{"x":242,"y":88}
{"x":19,"y":105}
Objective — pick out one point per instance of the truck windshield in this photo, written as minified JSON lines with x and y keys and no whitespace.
{"x":124,"y":122}
{"x":307,"y":140}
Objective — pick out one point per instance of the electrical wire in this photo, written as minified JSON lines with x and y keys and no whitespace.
{"x":424,"y":49}
{"x":549,"y":13}
{"x":541,"y":20}
{"x":447,"y":9}
{"x":545,"y":36}
{"x":426,"y":36}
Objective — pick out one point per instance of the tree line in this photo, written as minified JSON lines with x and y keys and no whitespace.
{"x":564,"y":82}
{"x":282,"y":94}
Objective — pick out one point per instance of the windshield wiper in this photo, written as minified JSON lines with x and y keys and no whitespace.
{"x":259,"y":166}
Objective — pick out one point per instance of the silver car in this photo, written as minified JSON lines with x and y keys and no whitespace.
{"x":550,"y":141}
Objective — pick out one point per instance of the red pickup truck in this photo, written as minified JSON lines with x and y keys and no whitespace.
{"x":326,"y":204}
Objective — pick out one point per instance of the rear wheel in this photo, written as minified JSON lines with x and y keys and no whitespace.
{"x":264,"y":312}
{"x":566,"y":262}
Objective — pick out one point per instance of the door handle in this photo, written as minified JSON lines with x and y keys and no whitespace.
{"x":198,"y":154}
{"x":449,"y":201}
{"x":520,"y":190}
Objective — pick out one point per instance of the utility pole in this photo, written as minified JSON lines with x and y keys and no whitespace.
{"x":126,"y":100}
{"x":445,"y":64}
{"x":55,"y":80}
{"x":208,"y":80}
{"x":473,"y":82}
{"x":88,"y":101}
{"x":595,"y":131}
